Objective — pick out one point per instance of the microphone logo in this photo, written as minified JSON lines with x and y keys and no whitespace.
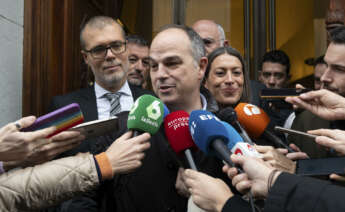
{"x":238,"y":152}
{"x":250,"y":110}
{"x":154,"y":111}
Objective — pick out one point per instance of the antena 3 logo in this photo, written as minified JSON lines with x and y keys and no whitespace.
{"x":250,"y":109}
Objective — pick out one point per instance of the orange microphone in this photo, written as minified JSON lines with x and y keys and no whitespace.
{"x":255,"y":121}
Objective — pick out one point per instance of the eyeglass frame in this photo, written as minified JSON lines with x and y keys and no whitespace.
{"x":107,"y":47}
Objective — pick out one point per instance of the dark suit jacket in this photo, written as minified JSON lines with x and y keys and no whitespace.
{"x":86,"y":98}
{"x":294,"y":193}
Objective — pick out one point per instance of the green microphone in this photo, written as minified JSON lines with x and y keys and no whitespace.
{"x":146,"y":115}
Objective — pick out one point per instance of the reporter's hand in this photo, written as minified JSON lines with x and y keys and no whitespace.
{"x":276,"y":159}
{"x":56,"y":145}
{"x":180,"y":184}
{"x":255,"y":177}
{"x":125,"y":153}
{"x":337,"y":178}
{"x":15,"y":145}
{"x":323,"y":103}
{"x":334,"y":139}
{"x":297,"y":155}
{"x":207,"y":192}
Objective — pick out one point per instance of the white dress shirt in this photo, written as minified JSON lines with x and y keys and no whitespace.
{"x":103,"y":104}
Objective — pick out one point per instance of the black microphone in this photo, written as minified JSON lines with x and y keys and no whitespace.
{"x":229,"y":115}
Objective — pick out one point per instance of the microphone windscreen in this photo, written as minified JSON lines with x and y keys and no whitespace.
{"x":252,"y":118}
{"x":227,"y":114}
{"x":146,"y":114}
{"x":233,"y":135}
{"x":205,"y":127}
{"x":177,"y":131}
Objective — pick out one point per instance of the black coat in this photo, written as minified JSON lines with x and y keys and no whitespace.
{"x":294,"y":193}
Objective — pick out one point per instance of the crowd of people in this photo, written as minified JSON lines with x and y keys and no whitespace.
{"x":187,"y":68}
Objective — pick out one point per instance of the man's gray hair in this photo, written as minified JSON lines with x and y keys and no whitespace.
{"x":197,"y":45}
{"x":98,"y":22}
{"x":221,"y":35}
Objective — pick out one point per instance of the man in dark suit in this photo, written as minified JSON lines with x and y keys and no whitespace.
{"x":105,"y":51}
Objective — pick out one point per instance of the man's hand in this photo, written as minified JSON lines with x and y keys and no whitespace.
{"x":180,"y":184}
{"x":323,"y":103}
{"x":255,"y":177}
{"x":334,"y":139}
{"x":125,"y":153}
{"x":276,"y":159}
{"x":54,"y":146}
{"x":207,"y":192}
{"x":297,"y":155}
{"x":15,"y":145}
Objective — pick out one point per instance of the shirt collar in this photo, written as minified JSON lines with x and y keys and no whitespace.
{"x":203,"y":102}
{"x":124,"y":90}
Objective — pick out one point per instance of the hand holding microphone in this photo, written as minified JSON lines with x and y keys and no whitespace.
{"x":146,"y":116}
{"x":256,"y":176}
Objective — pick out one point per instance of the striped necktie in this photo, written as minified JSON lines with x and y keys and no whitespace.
{"x":114,"y":99}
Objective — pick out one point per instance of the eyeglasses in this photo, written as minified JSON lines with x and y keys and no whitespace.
{"x":100,"y":52}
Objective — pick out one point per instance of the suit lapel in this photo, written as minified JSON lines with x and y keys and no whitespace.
{"x":88,"y":104}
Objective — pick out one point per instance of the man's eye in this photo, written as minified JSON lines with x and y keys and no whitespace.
{"x":171,"y":63}
{"x":99,"y":49}
{"x":116,"y":45}
{"x":266,"y":75}
{"x":133,"y":60}
{"x":207,"y":42}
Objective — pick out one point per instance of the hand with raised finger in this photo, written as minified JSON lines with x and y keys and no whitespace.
{"x":323,"y":103}
{"x":334,"y":139}
{"x":207,"y":192}
{"x":125,"y":153}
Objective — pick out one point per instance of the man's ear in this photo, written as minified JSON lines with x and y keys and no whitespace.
{"x":85,"y":56}
{"x":202,"y":67}
{"x":260,"y":74}
{"x":226,"y":43}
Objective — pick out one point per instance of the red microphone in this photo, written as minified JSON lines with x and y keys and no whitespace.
{"x":177,"y":132}
{"x":255,"y":121}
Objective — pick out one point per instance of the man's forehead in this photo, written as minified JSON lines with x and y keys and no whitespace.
{"x":96,"y":34}
{"x":135,"y":48}
{"x":170,"y":42}
{"x":273,"y":67}
{"x":206,"y":30}
{"x":335,"y":54}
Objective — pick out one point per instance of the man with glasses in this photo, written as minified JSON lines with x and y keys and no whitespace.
{"x":211,"y":33}
{"x":104,"y":50}
{"x":138,"y":50}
